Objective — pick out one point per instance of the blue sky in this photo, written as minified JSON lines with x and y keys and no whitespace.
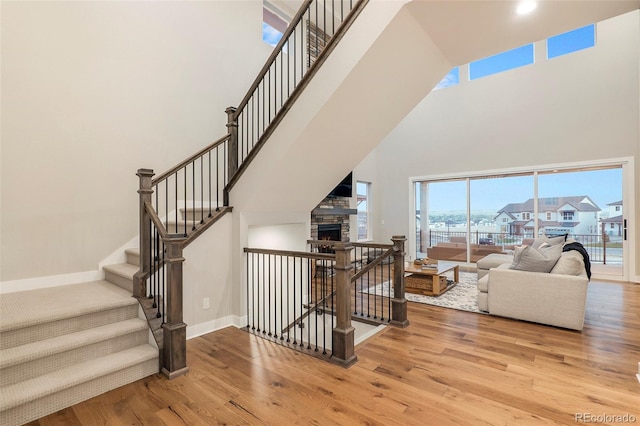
{"x":561,"y":44}
{"x":270,"y":35}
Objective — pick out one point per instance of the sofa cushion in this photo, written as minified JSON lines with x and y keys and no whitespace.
{"x":493,"y":260}
{"x":548,"y":240}
{"x":527,"y":258}
{"x":570,"y":263}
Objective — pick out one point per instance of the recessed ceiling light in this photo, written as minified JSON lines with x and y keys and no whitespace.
{"x":525,"y":7}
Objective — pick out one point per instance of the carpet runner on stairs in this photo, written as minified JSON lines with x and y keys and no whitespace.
{"x":63,"y":345}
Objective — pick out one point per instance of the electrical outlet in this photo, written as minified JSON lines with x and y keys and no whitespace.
{"x":205,"y":303}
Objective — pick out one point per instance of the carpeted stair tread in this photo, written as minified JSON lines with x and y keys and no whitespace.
{"x":133,"y":256}
{"x":44,"y":348}
{"x":34,"y":307}
{"x":56,"y":381}
{"x":199,"y":212}
{"x":124,"y":270}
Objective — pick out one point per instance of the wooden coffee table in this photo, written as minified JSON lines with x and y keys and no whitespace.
{"x":431,"y":281}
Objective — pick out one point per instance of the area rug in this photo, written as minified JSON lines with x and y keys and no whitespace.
{"x":464,"y":296}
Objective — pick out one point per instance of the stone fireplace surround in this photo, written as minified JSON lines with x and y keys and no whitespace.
{"x":332,"y":211}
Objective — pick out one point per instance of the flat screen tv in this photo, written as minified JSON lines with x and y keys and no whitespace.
{"x":344,"y":188}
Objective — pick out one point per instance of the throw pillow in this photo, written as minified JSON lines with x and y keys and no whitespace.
{"x":570,"y":263}
{"x":527,"y":258}
{"x":549,"y":240}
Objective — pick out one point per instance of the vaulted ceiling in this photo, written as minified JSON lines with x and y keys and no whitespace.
{"x":469,"y":30}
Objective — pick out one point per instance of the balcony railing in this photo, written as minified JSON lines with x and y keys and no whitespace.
{"x":307,"y":300}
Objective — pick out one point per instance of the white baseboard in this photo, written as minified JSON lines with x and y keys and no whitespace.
{"x":214,"y":325}
{"x":50,"y":281}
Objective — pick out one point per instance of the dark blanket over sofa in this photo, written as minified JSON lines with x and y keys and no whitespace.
{"x":580,"y":248}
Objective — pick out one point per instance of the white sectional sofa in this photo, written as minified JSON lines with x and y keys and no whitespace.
{"x":556,"y":298}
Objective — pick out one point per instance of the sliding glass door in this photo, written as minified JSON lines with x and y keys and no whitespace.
{"x":463,"y":220}
{"x":587,"y":205}
{"x":441,"y":219}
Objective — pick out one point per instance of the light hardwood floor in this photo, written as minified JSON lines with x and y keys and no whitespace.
{"x":447,"y":367}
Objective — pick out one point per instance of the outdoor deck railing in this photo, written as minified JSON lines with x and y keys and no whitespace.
{"x":600,"y":249}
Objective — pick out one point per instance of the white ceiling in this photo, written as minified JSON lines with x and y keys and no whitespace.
{"x":467,"y":30}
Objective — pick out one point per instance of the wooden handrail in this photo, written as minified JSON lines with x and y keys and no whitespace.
{"x":156,"y":220}
{"x":276,"y":51}
{"x":297,"y":91}
{"x":303,"y":254}
{"x":195,"y":156}
{"x":373,"y":264}
{"x":373,"y":245}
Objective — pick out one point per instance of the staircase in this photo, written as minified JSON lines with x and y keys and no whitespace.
{"x":63,"y":345}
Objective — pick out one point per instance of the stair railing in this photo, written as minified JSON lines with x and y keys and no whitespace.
{"x":175,"y":208}
{"x":377,"y":280}
{"x":306,"y":300}
{"x":312,"y":34}
{"x":290,"y":304}
{"x":184,"y":201}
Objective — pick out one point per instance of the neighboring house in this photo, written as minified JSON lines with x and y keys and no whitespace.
{"x":613,"y":223}
{"x":576,"y":215}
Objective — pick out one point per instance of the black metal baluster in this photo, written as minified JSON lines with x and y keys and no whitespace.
{"x":161,"y":299}
{"x":368,"y":294}
{"x":375,"y":283}
{"x":281,"y":81}
{"x":269,"y":293}
{"x":309,"y":294}
{"x":355,"y":294}
{"x":258,"y":305}
{"x":264,"y":310}
{"x":275,"y":296}
{"x":253,"y":286}
{"x":281,"y":298}
{"x":302,"y":303}
{"x":225,"y":161}
{"x":201,"y":190}
{"x":294,"y":302}
{"x":185,"y":201}
{"x":150,"y":277}
{"x":288,"y":301}
{"x":209,"y":154}
{"x":218,"y":178}
{"x":176,"y":202}
{"x":253,"y":123}
{"x":248,"y":296}
{"x":268,"y":98}
{"x":193,"y":194}
{"x":333,"y":305}
{"x":314,"y":287}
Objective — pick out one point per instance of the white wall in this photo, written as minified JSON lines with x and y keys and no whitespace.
{"x":208,"y":274}
{"x":92,"y":91}
{"x":579,"y":107}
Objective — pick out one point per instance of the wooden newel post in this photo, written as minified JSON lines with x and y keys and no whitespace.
{"x":399,"y":302}
{"x":343,"y":350}
{"x":174,"y":362}
{"x":232,"y":162}
{"x":145,"y":191}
